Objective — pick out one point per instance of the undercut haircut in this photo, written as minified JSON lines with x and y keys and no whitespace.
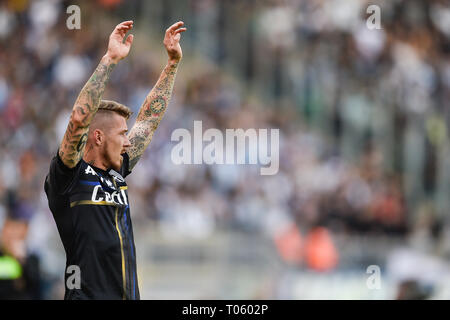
{"x":109,"y":105}
{"x":102,"y":117}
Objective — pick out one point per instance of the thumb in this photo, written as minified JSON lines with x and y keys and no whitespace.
{"x":129,"y":40}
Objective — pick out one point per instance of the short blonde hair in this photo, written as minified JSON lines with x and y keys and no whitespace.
{"x":109,"y":105}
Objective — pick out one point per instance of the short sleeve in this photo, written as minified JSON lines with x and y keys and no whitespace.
{"x":125,"y":168}
{"x":60,"y":177}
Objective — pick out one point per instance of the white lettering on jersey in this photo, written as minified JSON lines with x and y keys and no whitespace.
{"x":89,"y":170}
{"x":115,"y":197}
{"x":94,"y":194}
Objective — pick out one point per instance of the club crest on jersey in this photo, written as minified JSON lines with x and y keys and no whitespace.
{"x":108,"y":182}
{"x":116,"y":176}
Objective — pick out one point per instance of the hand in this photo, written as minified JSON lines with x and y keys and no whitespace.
{"x":172,"y":41}
{"x":117,"y":49}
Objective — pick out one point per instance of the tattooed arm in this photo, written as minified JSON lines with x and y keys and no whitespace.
{"x":72,"y":146}
{"x":154,"y":106}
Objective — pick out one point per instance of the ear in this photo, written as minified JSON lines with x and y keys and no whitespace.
{"x":98,"y":137}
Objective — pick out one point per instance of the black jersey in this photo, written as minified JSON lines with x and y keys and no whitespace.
{"x":91,"y":210}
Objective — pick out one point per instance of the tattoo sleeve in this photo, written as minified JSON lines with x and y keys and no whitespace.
{"x":151,"y":113}
{"x":72,"y":146}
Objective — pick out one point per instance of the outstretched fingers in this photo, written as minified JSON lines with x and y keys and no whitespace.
{"x":180,"y":30}
{"x":129,"y":40}
{"x":125,"y":24}
{"x":175,"y":26}
{"x":123,"y":27}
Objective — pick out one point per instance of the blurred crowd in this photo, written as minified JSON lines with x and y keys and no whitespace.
{"x":363,"y":117}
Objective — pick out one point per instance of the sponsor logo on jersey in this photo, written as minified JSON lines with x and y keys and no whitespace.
{"x":117,"y":197}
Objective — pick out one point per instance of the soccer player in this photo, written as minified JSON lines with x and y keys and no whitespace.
{"x":85,"y":186}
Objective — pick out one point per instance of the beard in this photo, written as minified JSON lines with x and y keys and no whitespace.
{"x":113,"y":161}
{"x":121,"y":162}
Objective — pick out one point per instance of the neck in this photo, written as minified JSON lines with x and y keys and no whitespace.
{"x":92,"y":156}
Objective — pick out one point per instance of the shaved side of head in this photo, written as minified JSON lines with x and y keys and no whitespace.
{"x":102,"y":121}
{"x":104,"y":113}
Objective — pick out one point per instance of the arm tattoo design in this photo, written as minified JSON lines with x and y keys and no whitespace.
{"x":72,"y":146}
{"x":151,"y":113}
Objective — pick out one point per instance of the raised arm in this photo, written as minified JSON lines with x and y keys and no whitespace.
{"x":154,"y":106}
{"x":72,"y":146}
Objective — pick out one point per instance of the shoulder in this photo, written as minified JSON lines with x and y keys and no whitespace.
{"x":61,"y":167}
{"x":60,"y":177}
